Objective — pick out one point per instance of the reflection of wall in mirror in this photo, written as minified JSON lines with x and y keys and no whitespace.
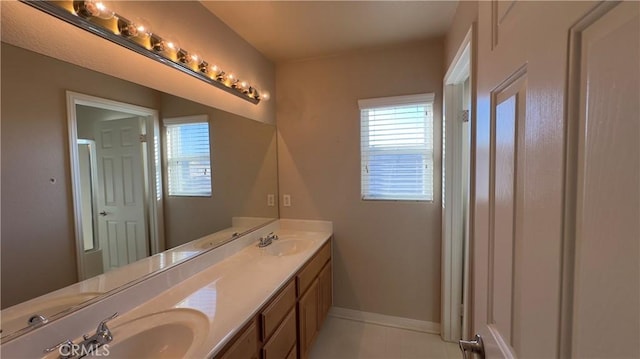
{"x":37,"y":211}
{"x":237,"y":191}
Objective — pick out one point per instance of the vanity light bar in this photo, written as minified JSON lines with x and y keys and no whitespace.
{"x":95,"y":17}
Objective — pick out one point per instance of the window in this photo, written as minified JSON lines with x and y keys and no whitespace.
{"x":397,"y":148}
{"x":188,"y":156}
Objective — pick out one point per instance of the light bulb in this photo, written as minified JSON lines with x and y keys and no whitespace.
{"x":265,"y":96}
{"x":171,"y":45}
{"x":103,"y":11}
{"x":90,"y":8}
{"x":143,"y":31}
{"x":215,"y":70}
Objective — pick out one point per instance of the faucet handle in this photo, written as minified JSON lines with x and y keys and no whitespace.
{"x":68,"y":343}
{"x":102,"y":327}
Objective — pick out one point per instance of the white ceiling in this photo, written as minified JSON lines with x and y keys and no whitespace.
{"x":290,"y":30}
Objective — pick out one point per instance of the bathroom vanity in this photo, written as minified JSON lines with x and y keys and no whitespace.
{"x":234,"y":301}
{"x":303,"y":303}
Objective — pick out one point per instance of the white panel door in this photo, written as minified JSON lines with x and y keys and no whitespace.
{"x":606,"y":300}
{"x":520,"y":249}
{"x":121,"y":221}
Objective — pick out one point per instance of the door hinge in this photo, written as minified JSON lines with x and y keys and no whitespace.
{"x":143,"y":138}
{"x":465,"y":116}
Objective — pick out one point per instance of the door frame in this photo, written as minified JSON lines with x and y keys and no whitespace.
{"x":153,"y":174}
{"x":456,"y":260}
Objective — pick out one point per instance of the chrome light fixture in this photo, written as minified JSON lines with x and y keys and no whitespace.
{"x":97,"y":18}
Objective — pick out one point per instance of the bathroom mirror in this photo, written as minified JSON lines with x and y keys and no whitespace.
{"x":39,"y":251}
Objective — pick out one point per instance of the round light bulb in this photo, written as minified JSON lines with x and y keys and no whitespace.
{"x":265,"y":96}
{"x":143,"y":30}
{"x":103,"y":11}
{"x":215,"y":70}
{"x":171,"y":45}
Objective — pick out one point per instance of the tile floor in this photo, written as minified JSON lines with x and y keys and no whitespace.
{"x":348,"y":339}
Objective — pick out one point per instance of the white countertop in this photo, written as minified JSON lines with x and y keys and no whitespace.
{"x":223,"y":288}
{"x":229,"y":293}
{"x":15,"y":318}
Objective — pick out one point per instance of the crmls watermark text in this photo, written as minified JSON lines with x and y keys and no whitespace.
{"x":75,"y":350}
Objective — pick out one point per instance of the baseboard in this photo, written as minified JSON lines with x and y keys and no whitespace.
{"x":386,"y":320}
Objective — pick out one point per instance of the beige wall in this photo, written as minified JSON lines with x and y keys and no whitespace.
{"x":386,"y":254}
{"x":466,"y":14}
{"x":189,"y":22}
{"x":38,"y":243}
{"x":243,"y":164}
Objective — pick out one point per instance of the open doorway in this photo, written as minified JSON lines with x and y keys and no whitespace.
{"x":116,"y":183}
{"x":457,"y":193}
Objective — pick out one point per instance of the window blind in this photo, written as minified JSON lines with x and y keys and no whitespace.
{"x":397,"y":148}
{"x":188,"y":156}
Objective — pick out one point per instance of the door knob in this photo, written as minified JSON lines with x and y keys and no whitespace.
{"x":103,"y":213}
{"x":470,"y":347}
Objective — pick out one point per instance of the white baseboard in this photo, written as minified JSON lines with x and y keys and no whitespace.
{"x":386,"y":320}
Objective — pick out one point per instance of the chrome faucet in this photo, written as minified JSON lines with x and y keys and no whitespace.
{"x":68,"y":349}
{"x":267,"y":240}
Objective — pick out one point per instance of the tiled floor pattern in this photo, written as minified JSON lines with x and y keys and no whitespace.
{"x":347,"y":339}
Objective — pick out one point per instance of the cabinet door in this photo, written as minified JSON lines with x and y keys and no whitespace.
{"x":326,"y":293}
{"x":308,"y":318}
{"x":245,"y":347}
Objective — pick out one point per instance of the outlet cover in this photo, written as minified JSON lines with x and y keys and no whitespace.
{"x":286,"y":200}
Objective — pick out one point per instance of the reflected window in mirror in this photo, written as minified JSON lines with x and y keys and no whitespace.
{"x":188,"y":156}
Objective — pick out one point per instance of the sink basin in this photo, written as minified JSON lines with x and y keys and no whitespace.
{"x":174,"y":333}
{"x":16,"y":317}
{"x":287,"y":247}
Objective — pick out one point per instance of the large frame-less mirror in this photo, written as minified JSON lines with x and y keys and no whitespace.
{"x":40,"y":270}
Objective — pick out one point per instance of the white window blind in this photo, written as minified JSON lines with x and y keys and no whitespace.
{"x":397,"y":148}
{"x":188,"y":156}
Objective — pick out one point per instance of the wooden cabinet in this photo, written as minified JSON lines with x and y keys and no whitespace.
{"x":308,"y":318}
{"x":283,"y":340}
{"x":289,"y":323}
{"x":325,"y":289}
{"x":275,"y":313}
{"x":245,"y":346}
{"x":314,"y":284}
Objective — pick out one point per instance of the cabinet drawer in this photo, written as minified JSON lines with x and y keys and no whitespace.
{"x":245,"y":347}
{"x":310,"y":271}
{"x":280,"y":344}
{"x":273,"y":315}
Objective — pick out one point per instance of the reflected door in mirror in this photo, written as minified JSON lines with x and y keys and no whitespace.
{"x":121,"y":218}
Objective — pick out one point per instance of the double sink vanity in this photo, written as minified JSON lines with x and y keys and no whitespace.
{"x":239,"y":300}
